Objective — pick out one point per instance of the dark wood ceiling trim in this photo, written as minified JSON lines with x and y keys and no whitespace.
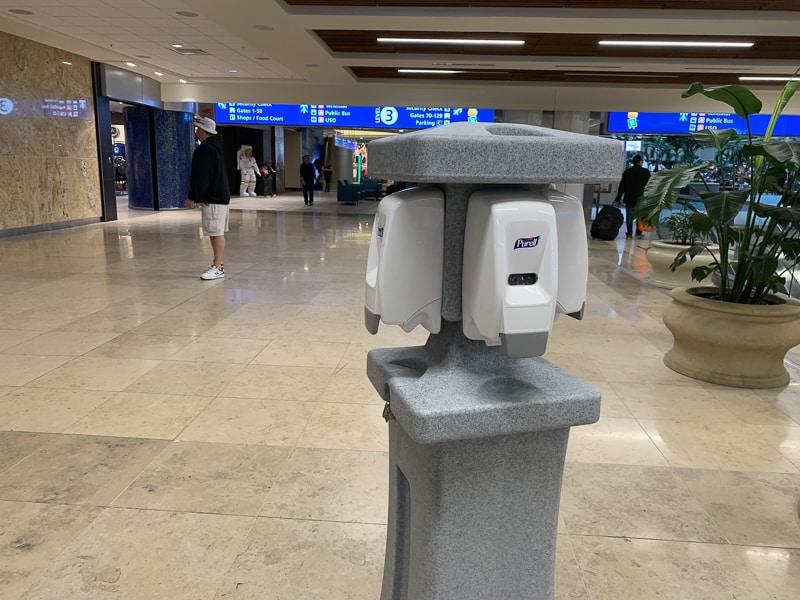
{"x":560,"y":44}
{"x":637,"y":5}
{"x":567,"y":77}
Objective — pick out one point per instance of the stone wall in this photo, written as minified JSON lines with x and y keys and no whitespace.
{"x":48,"y":147}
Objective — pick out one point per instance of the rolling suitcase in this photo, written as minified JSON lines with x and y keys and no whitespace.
{"x":607,"y":223}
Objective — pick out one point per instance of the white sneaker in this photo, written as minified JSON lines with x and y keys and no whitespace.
{"x":253,"y":195}
{"x":213,"y":273}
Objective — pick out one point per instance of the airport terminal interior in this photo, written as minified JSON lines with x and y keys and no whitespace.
{"x":166,"y":437}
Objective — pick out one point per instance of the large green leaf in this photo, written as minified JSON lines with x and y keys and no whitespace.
{"x":791,"y":249}
{"x":714,"y":138}
{"x":781,"y":214}
{"x":786,"y":94}
{"x":701,"y":224}
{"x":739,"y":98}
{"x":786,"y":153}
{"x":722,"y":207}
{"x":662,"y":191}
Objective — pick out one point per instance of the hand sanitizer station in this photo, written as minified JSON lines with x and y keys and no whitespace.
{"x":485,"y":254}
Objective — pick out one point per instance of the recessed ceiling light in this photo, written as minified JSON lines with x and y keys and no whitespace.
{"x":263,"y":28}
{"x":158,"y":73}
{"x":130,"y":64}
{"x":177,"y":45}
{"x":20,"y":11}
{"x":430,"y":71}
{"x":232,"y":71}
{"x":458,"y":42}
{"x":753,"y":78}
{"x":668,"y":44}
{"x":65,"y":62}
{"x":186,"y":13}
{"x":182,"y":81}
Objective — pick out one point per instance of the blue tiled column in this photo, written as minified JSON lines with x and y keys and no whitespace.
{"x":174,"y":143}
{"x":140,"y":167}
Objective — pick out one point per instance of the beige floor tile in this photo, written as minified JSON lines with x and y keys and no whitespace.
{"x":320,"y":331}
{"x":89,"y":373}
{"x":611,"y":405}
{"x":613,"y":440}
{"x":185,"y":555}
{"x":722,"y":446}
{"x":22,"y":369}
{"x":13,"y":337}
{"x":16,"y":445}
{"x":786,"y":400}
{"x":630,"y":569}
{"x":757,"y":408}
{"x":250,"y":421}
{"x":351,"y":386}
{"x":153,"y":416}
{"x":331,"y":485}
{"x":42,"y":409}
{"x":633,"y":501}
{"x":644,"y":371}
{"x":300,"y":353}
{"x":221,"y":350}
{"x":65,"y":343}
{"x":577,"y":365}
{"x":346,"y":427}
{"x":148,"y":347}
{"x":569,"y":582}
{"x":604,"y":345}
{"x":307,"y":560}
{"x":34,"y":535}
{"x":72,"y":469}
{"x":116,"y":319}
{"x":683,"y":402}
{"x":210,"y":478}
{"x":186,"y":378}
{"x":759,"y":509}
{"x":777,"y":569}
{"x":304,"y":384}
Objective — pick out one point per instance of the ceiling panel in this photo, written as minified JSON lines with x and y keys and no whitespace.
{"x":745,"y":5}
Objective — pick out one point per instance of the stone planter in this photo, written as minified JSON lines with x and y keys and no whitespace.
{"x":738,"y":345}
{"x":660,"y":255}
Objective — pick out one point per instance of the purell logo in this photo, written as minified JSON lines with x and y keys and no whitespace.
{"x":380,"y":231}
{"x":528,"y":242}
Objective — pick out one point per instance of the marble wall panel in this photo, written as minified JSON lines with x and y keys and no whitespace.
{"x":48,"y":164}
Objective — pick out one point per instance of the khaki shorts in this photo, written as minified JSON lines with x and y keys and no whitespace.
{"x":215,"y":219}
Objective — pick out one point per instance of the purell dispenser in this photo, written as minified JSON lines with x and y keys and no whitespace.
{"x":510,"y":270}
{"x":404,"y":266}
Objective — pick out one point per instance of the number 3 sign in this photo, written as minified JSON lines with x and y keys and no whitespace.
{"x":6,"y":106}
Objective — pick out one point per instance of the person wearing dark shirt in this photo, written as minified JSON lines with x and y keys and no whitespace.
{"x":308,"y":175}
{"x":634,"y":180}
{"x":209,"y":189}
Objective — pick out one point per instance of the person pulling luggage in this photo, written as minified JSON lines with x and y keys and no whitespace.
{"x":631,"y":187}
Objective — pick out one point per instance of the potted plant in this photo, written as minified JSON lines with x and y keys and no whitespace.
{"x":737,"y":331}
{"x":680,"y":236}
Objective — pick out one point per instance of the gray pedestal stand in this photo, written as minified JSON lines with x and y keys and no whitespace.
{"x":477,"y":440}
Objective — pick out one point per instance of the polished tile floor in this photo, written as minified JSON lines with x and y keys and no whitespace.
{"x":162,"y":437}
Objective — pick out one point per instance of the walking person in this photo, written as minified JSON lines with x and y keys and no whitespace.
{"x":269,"y":172}
{"x":327,"y":172}
{"x":209,"y":189}
{"x":308,"y":175}
{"x":634,"y":180}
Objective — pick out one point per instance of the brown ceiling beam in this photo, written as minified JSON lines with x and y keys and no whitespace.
{"x":637,"y":5}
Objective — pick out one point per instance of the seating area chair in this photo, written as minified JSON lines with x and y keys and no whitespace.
{"x":372,"y":188}
{"x":348,"y":193}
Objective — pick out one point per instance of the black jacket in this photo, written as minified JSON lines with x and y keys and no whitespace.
{"x":632,"y":185}
{"x":209,"y":180}
{"x":308,"y":173}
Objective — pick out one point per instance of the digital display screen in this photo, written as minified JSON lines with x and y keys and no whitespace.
{"x":330,"y":115}
{"x":687,"y":123}
{"x":46,"y":108}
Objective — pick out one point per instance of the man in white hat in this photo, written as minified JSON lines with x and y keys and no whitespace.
{"x":209,"y":188}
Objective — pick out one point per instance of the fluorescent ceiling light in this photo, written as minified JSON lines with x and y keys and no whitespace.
{"x":457,"y":42}
{"x":668,"y":44}
{"x":177,"y":45}
{"x":158,"y":73}
{"x":131,"y":64}
{"x":65,"y":62}
{"x":430,"y":71}
{"x":181,"y":81}
{"x":753,"y":78}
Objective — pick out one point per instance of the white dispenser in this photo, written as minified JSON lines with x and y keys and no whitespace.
{"x":510,"y":270}
{"x":573,"y":254}
{"x":405,"y":262}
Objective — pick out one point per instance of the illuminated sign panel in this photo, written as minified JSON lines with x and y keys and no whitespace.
{"x":331,"y":115}
{"x":689,"y":122}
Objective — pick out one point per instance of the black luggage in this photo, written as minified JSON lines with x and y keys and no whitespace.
{"x":607,"y":223}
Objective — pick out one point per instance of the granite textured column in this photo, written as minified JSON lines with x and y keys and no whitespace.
{"x":477,"y":440}
{"x":139,"y":149}
{"x":174,"y":144}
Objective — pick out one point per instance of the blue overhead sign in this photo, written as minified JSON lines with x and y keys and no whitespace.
{"x":331,"y":115}
{"x":689,"y":122}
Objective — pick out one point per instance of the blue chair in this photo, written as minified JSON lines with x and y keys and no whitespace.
{"x":349,"y":194}
{"x":372,"y":188}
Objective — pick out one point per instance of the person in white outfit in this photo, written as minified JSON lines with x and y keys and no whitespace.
{"x":248,"y":167}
